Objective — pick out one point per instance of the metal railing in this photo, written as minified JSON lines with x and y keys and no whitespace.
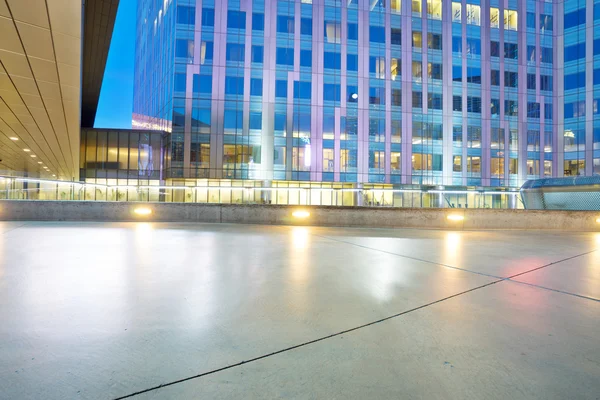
{"x":568,"y":193}
{"x":17,"y":188}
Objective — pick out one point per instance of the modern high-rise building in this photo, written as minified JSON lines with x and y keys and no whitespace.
{"x":420,"y":92}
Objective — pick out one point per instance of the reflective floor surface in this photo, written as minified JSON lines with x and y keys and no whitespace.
{"x":189,"y":311}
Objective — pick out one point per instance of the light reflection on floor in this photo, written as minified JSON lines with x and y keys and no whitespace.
{"x":151,"y":303}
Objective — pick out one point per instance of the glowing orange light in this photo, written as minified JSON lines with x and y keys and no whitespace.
{"x":142,"y":211}
{"x":300,"y":214}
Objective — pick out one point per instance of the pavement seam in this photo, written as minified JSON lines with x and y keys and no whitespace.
{"x":508,"y":278}
{"x":244,"y":362}
{"x":323,"y":338}
{"x":553,"y":290}
{"x":14,"y":229}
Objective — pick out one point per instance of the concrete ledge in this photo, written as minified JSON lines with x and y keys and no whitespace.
{"x":429,"y":218}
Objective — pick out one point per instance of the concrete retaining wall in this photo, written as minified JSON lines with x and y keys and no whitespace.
{"x":432,"y":218}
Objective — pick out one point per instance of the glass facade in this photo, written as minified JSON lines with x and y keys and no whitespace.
{"x":425,"y":92}
{"x":579,"y":62}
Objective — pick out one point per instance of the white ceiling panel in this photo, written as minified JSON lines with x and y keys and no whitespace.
{"x":25,"y":85}
{"x":31,"y":11}
{"x":65,"y":16}
{"x":37,"y":41}
{"x":32,"y":101}
{"x":40,"y":64}
{"x":15,"y":64}
{"x":10,"y":38}
{"x":49,"y":91}
{"x":68,"y":49}
{"x":69,"y":75}
{"x":4,"y":9}
{"x":44,"y":70}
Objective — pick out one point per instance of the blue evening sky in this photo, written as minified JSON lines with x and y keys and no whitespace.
{"x":116,"y":95}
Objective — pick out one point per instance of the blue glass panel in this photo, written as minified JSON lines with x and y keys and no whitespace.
{"x":305,"y":58}
{"x":179,"y":83}
{"x":236,"y":19}
{"x":377,"y":34}
{"x":186,"y":15}
{"x":575,"y":52}
{"x":258,"y":22}
{"x":202,"y":84}
{"x":208,"y":17}
{"x":302,"y":90}
{"x":280,"y":88}
{"x":352,"y":62}
{"x":284,"y":56}
{"x":255,"y":120}
{"x":257,"y":54}
{"x":234,"y":85}
{"x":306,"y":26}
{"x":235,"y":52}
{"x":332,"y":60}
{"x":352,"y":31}
{"x":256,"y":86}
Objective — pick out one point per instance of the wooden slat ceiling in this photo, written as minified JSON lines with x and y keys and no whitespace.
{"x":40,"y":67}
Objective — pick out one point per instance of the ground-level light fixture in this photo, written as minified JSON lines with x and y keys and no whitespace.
{"x":142,"y":211}
{"x":300,"y":214}
{"x":456,"y":217}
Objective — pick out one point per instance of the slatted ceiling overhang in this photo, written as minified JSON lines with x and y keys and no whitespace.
{"x":99,"y":20}
{"x":40,"y":64}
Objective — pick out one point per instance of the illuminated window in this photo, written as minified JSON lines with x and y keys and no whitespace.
{"x":396,"y":162}
{"x":377,"y":67}
{"x":395,"y":67}
{"x":456,"y":12}
{"x":513,"y":166}
{"x":396,"y":6}
{"x":473,"y":14}
{"x":457,"y":164}
{"x":497,"y":167}
{"x":279,"y":155}
{"x":328,"y":160}
{"x":474,"y":165}
{"x":333,"y":32}
{"x":434,"y":9}
{"x":396,"y":131}
{"x":510,"y":20}
{"x":417,"y":40}
{"x":301,"y":158}
{"x":494,"y":18}
{"x":416,"y":6}
{"x":548,"y":167}
{"x":377,"y":159}
{"x":434,"y":71}
{"x":417,"y":71}
{"x":206,"y":51}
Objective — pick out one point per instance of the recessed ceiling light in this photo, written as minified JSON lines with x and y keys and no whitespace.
{"x":14,"y":138}
{"x":33,"y":156}
{"x":53,"y":175}
{"x":26,"y":150}
{"x":39,"y":162}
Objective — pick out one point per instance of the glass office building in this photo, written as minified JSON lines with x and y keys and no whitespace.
{"x":370,"y":92}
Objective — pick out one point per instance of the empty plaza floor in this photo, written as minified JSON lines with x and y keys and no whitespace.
{"x":215,"y":311}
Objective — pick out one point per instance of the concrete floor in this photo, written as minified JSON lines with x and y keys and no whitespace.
{"x":106,"y":311}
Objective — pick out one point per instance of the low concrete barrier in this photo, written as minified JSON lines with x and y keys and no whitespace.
{"x":430,"y":218}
